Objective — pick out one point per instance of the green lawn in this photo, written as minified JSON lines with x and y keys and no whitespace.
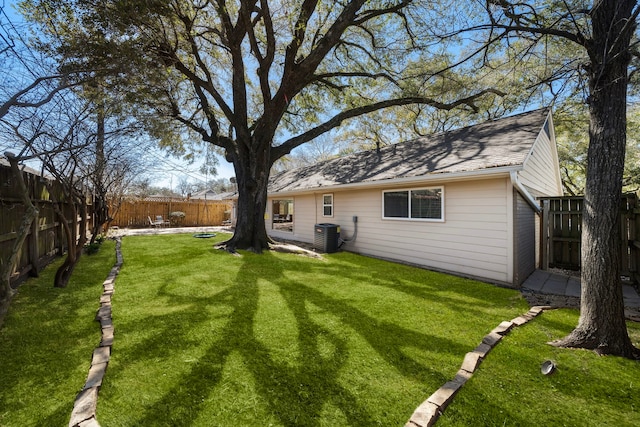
{"x":205,"y":338}
{"x":586,"y":389}
{"x":46,"y":343}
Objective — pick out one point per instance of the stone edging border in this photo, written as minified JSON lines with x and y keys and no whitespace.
{"x":430,"y":410}
{"x":85,"y":405}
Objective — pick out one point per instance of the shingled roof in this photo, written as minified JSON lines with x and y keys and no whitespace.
{"x":504,"y":142}
{"x":24,"y":168}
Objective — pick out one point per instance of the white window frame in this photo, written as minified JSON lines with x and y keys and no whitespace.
{"x":409,"y":218}
{"x":324,"y":205}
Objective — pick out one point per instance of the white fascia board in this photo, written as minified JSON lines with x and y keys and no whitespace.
{"x":525,"y":193}
{"x":437,"y":178}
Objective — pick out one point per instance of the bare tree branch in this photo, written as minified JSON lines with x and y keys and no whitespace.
{"x":14,"y":101}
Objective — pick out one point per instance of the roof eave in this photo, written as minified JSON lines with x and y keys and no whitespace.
{"x":435,"y":178}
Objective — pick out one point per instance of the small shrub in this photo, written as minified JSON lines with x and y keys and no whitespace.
{"x":177,"y":217}
{"x":92,"y":248}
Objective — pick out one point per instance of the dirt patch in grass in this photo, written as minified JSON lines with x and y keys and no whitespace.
{"x":290,"y":248}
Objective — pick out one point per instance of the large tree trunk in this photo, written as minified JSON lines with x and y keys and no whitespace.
{"x":100,"y":216}
{"x":75,"y":242}
{"x":602,"y":324}
{"x":252,"y":169}
{"x":100,"y":207}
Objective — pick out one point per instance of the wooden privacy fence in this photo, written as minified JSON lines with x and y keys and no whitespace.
{"x":197,"y":212}
{"x":46,"y":238}
{"x":562,"y":229}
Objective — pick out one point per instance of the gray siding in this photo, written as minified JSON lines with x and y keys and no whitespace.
{"x":525,"y":240}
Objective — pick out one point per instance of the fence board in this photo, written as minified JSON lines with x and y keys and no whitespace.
{"x":630,"y":222}
{"x":198,"y":213}
{"x":563,"y":218}
{"x":45,"y":239}
{"x":562,"y":234}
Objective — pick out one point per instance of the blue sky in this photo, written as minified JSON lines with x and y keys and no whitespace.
{"x":167,"y":171}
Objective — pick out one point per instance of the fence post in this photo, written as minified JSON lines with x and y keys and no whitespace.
{"x":625,"y":238}
{"x":544,"y":236}
{"x":634,"y":239}
{"x":34,"y":243}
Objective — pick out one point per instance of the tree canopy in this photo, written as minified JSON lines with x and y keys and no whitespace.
{"x":258,"y":78}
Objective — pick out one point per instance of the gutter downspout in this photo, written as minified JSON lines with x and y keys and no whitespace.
{"x":523,"y":191}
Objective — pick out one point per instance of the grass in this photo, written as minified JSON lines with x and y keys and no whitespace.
{"x":586,"y":389}
{"x":46,"y":343}
{"x":203,"y":338}
{"x":206,"y":338}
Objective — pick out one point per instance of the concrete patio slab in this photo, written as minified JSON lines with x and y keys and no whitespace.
{"x":546,"y":282}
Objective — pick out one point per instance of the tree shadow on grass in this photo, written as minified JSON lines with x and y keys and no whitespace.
{"x":294,"y":394}
{"x":468,"y":297}
{"x":386,"y":338}
{"x":46,"y":344}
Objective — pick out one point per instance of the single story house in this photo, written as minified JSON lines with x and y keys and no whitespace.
{"x":462,"y":201}
{"x":202,"y":195}
{"x":212,"y":195}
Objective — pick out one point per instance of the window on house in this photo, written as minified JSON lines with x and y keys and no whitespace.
{"x":327,"y":205}
{"x":282,"y":215}
{"x":421,"y":203}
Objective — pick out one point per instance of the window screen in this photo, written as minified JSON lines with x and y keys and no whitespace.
{"x":426,"y":203}
{"x":422,"y":203}
{"x":327,"y":205}
{"x":396,"y":204}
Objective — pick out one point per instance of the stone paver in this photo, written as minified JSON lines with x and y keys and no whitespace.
{"x":536,"y":281}
{"x":430,"y":410}
{"x":545,"y":282}
{"x":520,"y":320}
{"x":492,"y":339}
{"x":482,"y":349}
{"x":503,"y":328}
{"x":444,"y":395}
{"x":425,"y":415}
{"x":96,"y":373}
{"x":555,"y":286}
{"x":631,"y":297}
{"x":107,"y":337}
{"x":573,"y":287}
{"x":91,"y":422}
{"x":84,"y":408}
{"x":471,"y":361}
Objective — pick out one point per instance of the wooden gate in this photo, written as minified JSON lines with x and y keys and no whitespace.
{"x":630,"y":227}
{"x":561,"y":232}
{"x":562,"y":229}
